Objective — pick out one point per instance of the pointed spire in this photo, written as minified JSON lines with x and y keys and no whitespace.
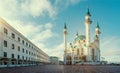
{"x":65,"y":26}
{"x":98,"y":29}
{"x":97,"y":25}
{"x":88,"y":13}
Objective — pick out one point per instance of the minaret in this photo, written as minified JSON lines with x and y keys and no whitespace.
{"x":87,"y":25}
{"x":97,"y":40}
{"x":65,"y":43}
{"x":88,"y":21}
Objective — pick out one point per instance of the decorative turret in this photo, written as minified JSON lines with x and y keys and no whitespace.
{"x":87,"y":18}
{"x":97,"y":30}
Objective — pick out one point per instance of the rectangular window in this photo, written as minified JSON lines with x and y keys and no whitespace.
{"x":5,"y":54}
{"x":18,"y":39}
{"x":13,"y":46}
{"x":13,"y":35}
{"x":5,"y":31}
{"x":18,"y":56}
{"x":5,"y":43}
{"x":29,"y":45}
{"x":23,"y":50}
{"x":22,"y":41}
{"x":26,"y":58}
{"x":29,"y":52}
{"x":23,"y":57}
{"x":32,"y":53}
{"x":29,"y":58}
{"x":26,"y":44}
{"x":12,"y":55}
{"x":26,"y":52}
{"x":18,"y":48}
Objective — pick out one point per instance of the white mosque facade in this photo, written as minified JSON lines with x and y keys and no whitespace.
{"x":82,"y":50}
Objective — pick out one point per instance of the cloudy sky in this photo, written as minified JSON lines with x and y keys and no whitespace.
{"x":42,"y":22}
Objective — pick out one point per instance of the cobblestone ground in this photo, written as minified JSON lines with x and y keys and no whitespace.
{"x":62,"y":69}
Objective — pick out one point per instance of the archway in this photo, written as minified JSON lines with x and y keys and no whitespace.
{"x":69,"y":60}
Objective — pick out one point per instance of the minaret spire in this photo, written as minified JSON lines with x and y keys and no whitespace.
{"x":65,"y":43}
{"x":97,"y":25}
{"x":65,"y":26}
{"x":65,"y":29}
{"x":97,"y":30}
{"x":88,"y":12}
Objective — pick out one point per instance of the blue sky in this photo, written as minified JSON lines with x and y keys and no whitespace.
{"x":42,"y":22}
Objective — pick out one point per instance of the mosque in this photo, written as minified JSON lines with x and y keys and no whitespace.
{"x":82,"y":50}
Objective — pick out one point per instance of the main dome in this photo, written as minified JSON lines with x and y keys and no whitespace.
{"x":79,"y":38}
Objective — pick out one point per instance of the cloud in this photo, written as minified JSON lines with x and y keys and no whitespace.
{"x":35,"y":8}
{"x":25,"y":28}
{"x":38,"y":7}
{"x":66,"y":2}
{"x":48,"y":25}
{"x":43,"y":36}
{"x":62,"y":5}
{"x":8,"y":8}
{"x":110,"y":47}
{"x":41,"y":32}
{"x":57,"y":50}
{"x":112,"y":53}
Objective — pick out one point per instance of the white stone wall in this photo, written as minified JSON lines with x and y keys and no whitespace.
{"x":35,"y":53}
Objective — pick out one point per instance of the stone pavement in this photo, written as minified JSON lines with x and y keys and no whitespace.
{"x":62,"y":69}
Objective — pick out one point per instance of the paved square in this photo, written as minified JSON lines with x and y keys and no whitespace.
{"x":62,"y":69}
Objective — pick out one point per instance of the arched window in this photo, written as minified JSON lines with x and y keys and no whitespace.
{"x":78,"y":51}
{"x":92,"y":54}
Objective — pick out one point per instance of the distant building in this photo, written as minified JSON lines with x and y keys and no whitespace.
{"x":17,"y":50}
{"x":82,"y":50}
{"x":54,"y":60}
{"x":61,"y":62}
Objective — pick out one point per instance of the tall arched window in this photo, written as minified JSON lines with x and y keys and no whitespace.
{"x":93,"y":54}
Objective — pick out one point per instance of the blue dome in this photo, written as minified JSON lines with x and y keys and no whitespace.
{"x":79,"y":38}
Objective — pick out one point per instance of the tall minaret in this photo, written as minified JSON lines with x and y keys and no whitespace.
{"x":97,"y":40}
{"x":65,"y":43}
{"x":87,"y":25}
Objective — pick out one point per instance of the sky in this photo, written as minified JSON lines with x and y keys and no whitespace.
{"x":42,"y":22}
